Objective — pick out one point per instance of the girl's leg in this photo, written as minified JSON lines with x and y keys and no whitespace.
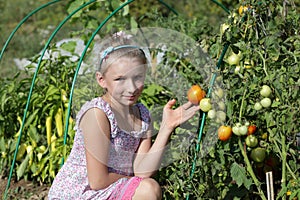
{"x":148,"y":189}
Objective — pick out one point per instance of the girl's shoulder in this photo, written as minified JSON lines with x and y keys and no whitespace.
{"x":99,"y":103}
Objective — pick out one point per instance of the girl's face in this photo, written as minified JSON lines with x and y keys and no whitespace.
{"x":124,"y":80}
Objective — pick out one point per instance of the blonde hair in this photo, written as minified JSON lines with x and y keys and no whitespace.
{"x":117,"y":46}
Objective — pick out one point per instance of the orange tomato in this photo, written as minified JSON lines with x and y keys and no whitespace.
{"x":195,"y":94}
{"x":224,"y":133}
{"x":251,"y":129}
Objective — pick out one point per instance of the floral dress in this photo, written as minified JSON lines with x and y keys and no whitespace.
{"x":71,"y":182}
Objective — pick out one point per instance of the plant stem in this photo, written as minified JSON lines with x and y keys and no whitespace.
{"x":281,"y":155}
{"x":242,"y":104}
{"x":251,"y":172}
{"x":264,"y":64}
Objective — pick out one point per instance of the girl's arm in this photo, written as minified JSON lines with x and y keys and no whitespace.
{"x":96,"y":130}
{"x":148,"y":158}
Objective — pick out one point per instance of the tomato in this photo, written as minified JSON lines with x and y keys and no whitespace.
{"x":221,"y":116}
{"x":258,"y":154}
{"x":257,"y":106}
{"x":251,"y":141}
{"x":233,"y":59}
{"x":221,"y":105}
{"x":264,"y":136}
{"x":219,"y":93}
{"x":195,"y":94}
{"x":224,"y":132}
{"x":251,"y":129}
{"x":265,"y":91}
{"x":205,"y":104}
{"x":236,"y":130}
{"x":211,"y":114}
{"x":243,"y":130}
{"x":266,"y":102}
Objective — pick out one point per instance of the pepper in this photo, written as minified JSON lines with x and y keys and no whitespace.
{"x":48,"y":129}
{"x":58,"y":122}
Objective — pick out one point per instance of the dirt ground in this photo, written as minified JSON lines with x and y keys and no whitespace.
{"x":23,"y":190}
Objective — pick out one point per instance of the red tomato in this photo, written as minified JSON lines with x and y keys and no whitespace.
{"x":195,"y":94}
{"x":224,"y":132}
{"x":251,"y":129}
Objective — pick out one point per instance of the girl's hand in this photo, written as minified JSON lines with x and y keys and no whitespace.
{"x":174,"y":117}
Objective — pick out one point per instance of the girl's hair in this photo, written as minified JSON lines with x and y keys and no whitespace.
{"x":119,"y":45}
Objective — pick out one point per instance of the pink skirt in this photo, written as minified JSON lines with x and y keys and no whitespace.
{"x":126,"y":191}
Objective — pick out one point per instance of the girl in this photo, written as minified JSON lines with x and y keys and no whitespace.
{"x":113,"y":156}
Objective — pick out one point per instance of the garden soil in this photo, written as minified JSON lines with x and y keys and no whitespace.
{"x":23,"y":190}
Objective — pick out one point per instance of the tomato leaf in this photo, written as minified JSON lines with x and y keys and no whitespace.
{"x":237,"y":173}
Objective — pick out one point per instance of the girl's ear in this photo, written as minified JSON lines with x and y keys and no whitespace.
{"x":100,"y":80}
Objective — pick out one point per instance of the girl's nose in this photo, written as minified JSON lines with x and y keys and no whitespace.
{"x":131,"y":86}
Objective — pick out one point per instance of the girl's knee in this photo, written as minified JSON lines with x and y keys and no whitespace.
{"x":148,"y":189}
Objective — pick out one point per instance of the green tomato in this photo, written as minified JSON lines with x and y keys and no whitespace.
{"x":258,"y":154}
{"x":221,"y":115}
{"x":233,"y":59}
{"x":221,"y":105}
{"x":265,"y":91}
{"x":236,"y":130}
{"x":205,"y":104}
{"x":257,"y":106}
{"x":219,"y":92}
{"x":251,"y":141}
{"x":211,"y":114}
{"x":243,"y":130}
{"x":266,"y":102}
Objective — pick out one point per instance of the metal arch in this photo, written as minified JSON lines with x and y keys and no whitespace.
{"x":22,"y":22}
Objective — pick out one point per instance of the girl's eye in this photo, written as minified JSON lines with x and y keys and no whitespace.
{"x":119,"y":79}
{"x":139,"y":77}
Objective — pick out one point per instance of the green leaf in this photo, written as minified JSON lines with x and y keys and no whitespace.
{"x":31,"y":118}
{"x":153,"y":89}
{"x":238,"y":173}
{"x":73,"y":6}
{"x":69,"y":46}
{"x":21,"y":169}
{"x":133,"y":23}
{"x":51,"y":91}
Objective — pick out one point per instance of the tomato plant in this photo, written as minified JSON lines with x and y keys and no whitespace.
{"x":195,"y":94}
